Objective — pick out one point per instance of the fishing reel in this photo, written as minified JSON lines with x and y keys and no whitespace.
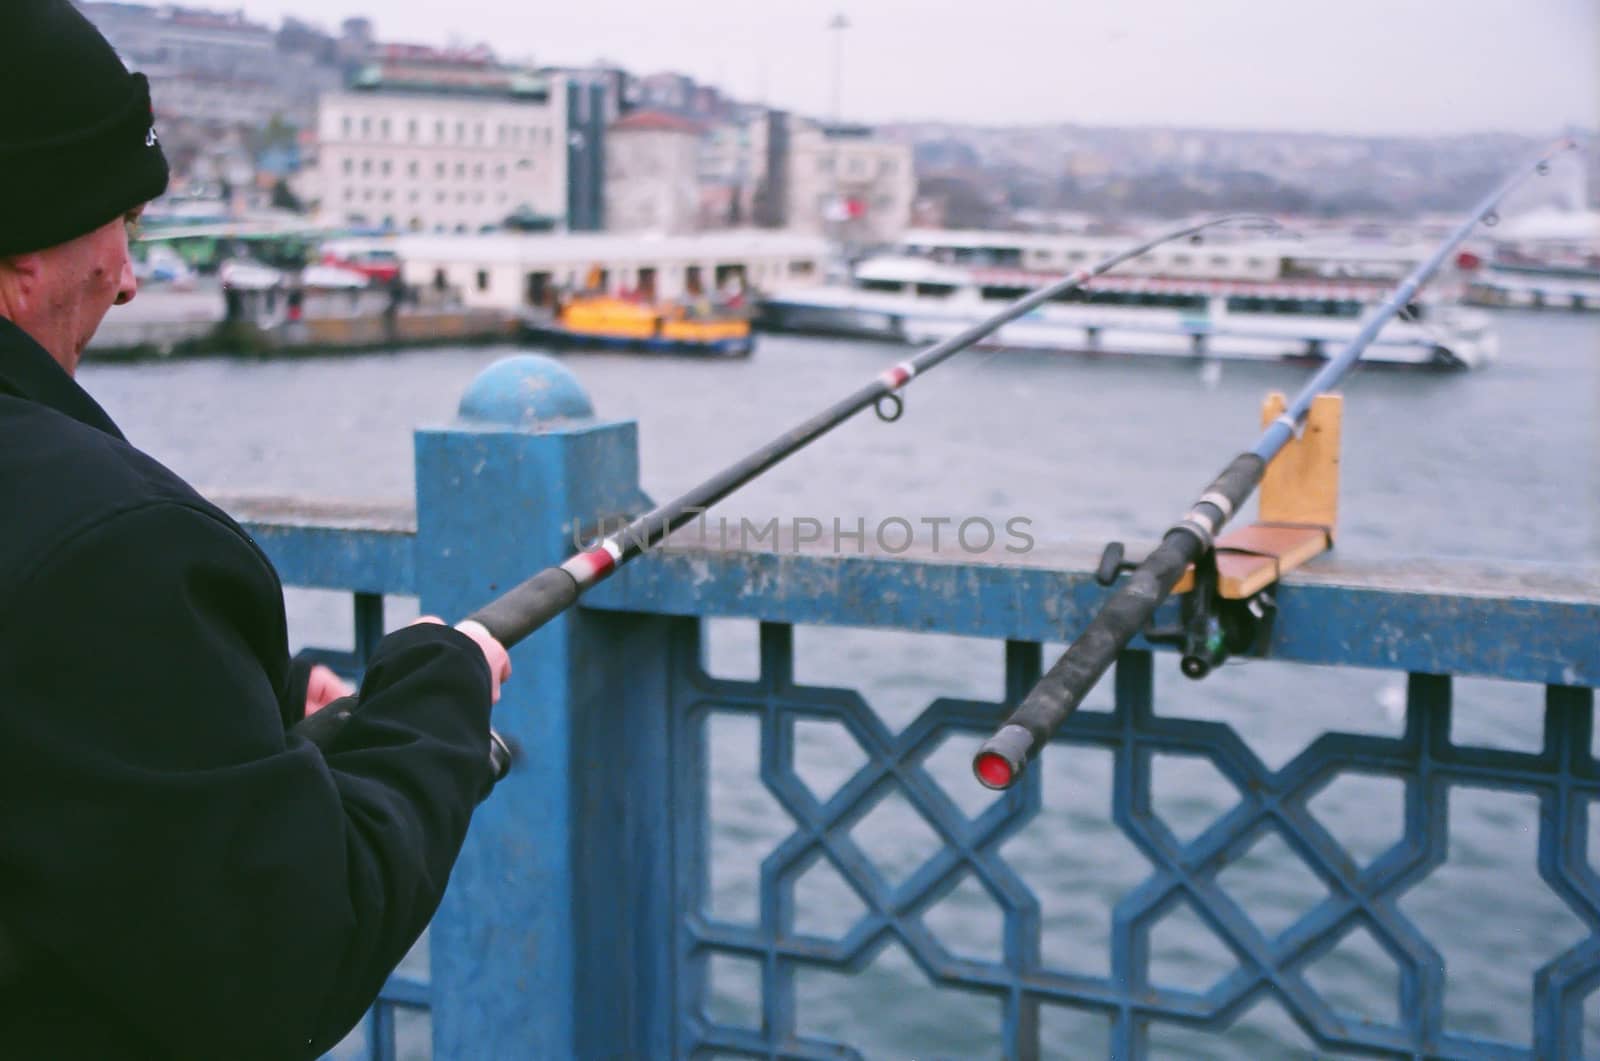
{"x":1210,"y":627}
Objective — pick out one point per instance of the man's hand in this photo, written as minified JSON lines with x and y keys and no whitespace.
{"x":323,"y":688}
{"x":494,"y":653}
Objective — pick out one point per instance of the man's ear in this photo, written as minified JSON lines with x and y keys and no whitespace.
{"x":19,"y":279}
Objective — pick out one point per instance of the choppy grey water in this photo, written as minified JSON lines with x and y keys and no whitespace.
{"x":1502,"y":464}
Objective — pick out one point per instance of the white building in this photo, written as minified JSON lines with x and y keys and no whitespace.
{"x":211,"y":66}
{"x":847,"y":182}
{"x":515,"y":271}
{"x":652,"y":164}
{"x":442,"y":148}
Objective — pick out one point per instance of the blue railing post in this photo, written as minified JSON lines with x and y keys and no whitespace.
{"x":554,"y":938}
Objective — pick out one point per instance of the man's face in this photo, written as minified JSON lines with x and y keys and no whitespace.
{"x":60,"y":295}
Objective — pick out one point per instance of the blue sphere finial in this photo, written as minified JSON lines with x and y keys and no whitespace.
{"x":525,"y":390}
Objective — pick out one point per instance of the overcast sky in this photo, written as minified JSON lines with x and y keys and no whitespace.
{"x":1363,"y":66}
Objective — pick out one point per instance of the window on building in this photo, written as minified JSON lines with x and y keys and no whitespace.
{"x":367,"y":195}
{"x":349,"y":166}
{"x":366,"y":167}
{"x":1219,"y":259}
{"x":461,"y":171}
{"x":415,"y":195}
{"x":1182,"y":260}
{"x":526,"y":163}
{"x":802,"y":268}
{"x":461,"y":132}
{"x":824,"y":163}
{"x":477,"y":171}
{"x":500,"y":171}
{"x":461,"y":197}
{"x":383,"y":129}
{"x":438,"y":131}
{"x":388,"y":194}
{"x":439,"y":197}
{"x":547,"y":138}
{"x":348,"y":126}
{"x":411,"y":129}
{"x":386,"y":167}
{"x":366,"y":127}
{"x":887,"y":167}
{"x":349,"y":195}
{"x":483,"y":279}
{"x":438,"y":169}
{"x":411,"y":169}
{"x":477,"y":133}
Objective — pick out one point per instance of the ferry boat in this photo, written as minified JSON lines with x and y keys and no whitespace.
{"x":1530,"y":287}
{"x":1229,"y":301}
{"x":1548,"y":259}
{"x":597,"y":320}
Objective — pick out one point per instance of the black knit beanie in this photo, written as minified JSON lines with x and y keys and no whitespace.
{"x":77,"y":138}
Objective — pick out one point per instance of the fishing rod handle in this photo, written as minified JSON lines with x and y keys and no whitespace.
{"x":508,"y":618}
{"x":523,"y":609}
{"x":1002,"y":758}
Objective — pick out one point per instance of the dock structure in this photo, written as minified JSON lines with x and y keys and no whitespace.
{"x":515,"y":272}
{"x":579,"y":920}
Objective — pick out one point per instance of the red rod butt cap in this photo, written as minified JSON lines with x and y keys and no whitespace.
{"x":993,"y":770}
{"x":1001,"y":759}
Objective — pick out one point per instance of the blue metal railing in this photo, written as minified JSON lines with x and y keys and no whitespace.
{"x":581,"y":921}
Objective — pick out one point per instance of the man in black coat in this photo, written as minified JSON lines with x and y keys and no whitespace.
{"x":179,"y":875}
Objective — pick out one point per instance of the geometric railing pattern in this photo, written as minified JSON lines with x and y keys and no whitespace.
{"x":1362,"y":896}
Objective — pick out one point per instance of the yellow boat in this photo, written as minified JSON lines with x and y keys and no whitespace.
{"x":612,"y":322}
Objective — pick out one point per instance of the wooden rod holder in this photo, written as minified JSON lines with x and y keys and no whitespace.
{"x":1299,"y":506}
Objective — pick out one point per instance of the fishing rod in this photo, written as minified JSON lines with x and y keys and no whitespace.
{"x":1003,"y":757}
{"x":530,"y":605}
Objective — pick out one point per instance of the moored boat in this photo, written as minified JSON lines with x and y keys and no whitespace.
{"x":1244,"y":301}
{"x":610,"y":322}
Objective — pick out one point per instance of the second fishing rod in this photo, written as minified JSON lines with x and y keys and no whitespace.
{"x":1001,"y":759}
{"x":530,"y":605}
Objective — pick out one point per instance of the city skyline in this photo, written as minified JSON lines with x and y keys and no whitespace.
{"x":1396,"y":68}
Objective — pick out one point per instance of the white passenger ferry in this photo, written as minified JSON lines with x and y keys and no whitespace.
{"x":1257,"y":300}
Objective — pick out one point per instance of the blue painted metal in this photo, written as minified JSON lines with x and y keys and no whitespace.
{"x":561,"y":825}
{"x":369,"y":561}
{"x":524,"y":390}
{"x":577,"y":921}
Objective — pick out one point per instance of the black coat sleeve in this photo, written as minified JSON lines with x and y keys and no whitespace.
{"x":292,"y":701}
{"x":224,"y":889}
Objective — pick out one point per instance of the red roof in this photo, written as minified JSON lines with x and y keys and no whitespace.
{"x":655,"y":122}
